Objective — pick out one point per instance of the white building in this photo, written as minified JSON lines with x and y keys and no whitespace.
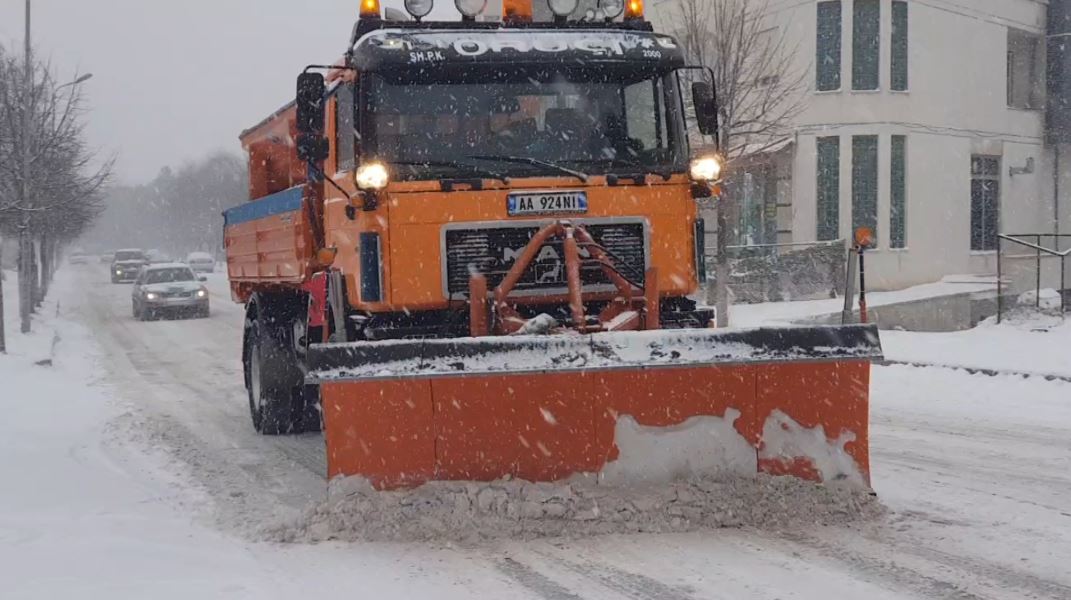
{"x":923,"y":119}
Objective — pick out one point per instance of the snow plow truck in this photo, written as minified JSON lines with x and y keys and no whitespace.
{"x":471,"y":253}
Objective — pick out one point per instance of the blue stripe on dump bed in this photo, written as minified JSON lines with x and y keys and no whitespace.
{"x":272,"y":204}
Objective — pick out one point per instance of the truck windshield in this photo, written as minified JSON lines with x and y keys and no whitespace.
{"x":593,"y":123}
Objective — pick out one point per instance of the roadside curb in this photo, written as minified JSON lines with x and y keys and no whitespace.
{"x":976,"y":370}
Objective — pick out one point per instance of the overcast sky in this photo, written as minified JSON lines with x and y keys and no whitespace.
{"x":175,"y":79}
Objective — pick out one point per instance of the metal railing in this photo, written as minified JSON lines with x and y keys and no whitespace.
{"x":1039,"y":252}
{"x":768,"y":272}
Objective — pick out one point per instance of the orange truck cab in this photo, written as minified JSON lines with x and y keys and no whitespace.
{"x":433,"y":152}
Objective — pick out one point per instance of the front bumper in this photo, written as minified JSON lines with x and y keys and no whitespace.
{"x":176,"y":303}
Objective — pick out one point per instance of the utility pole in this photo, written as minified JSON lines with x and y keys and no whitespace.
{"x":25,"y":241}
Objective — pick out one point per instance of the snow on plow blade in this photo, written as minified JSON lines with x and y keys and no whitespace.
{"x":623,"y":407}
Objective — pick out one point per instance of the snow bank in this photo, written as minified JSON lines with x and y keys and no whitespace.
{"x":470,"y":512}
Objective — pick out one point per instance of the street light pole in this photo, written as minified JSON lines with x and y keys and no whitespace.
{"x":25,"y":242}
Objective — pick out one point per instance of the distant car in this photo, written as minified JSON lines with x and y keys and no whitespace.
{"x":201,"y":262}
{"x":168,"y":288}
{"x":126,"y":264}
{"x":107,"y":258}
{"x":156,"y":256}
{"x":78,"y":258}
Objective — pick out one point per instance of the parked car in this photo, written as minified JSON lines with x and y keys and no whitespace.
{"x":126,"y":263}
{"x":171,"y":289}
{"x":78,"y":257}
{"x":107,"y":258}
{"x":201,"y":262}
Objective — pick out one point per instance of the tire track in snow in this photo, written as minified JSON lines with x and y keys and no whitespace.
{"x":995,"y":571}
{"x":883,"y":567}
{"x":187,"y":403}
{"x":926,"y":464}
{"x":534,"y":581}
{"x":627,"y":583}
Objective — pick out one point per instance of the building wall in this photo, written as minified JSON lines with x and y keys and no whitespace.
{"x":955,"y":106}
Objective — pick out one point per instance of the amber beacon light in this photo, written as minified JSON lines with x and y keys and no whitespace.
{"x":517,"y":11}
{"x":634,"y":10}
{"x":370,"y":9}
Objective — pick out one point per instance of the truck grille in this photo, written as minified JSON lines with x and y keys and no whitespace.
{"x":493,"y":250}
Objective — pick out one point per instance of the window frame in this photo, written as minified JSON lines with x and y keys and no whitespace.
{"x":1035,"y":81}
{"x":860,"y":190}
{"x":827,"y":188}
{"x":898,"y":192}
{"x":993,"y":176}
{"x":899,"y":47}
{"x":834,"y":75}
{"x":864,"y":41}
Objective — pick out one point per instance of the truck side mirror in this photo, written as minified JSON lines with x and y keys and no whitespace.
{"x":706,"y":108}
{"x":311,"y":144}
{"x":310,"y":103}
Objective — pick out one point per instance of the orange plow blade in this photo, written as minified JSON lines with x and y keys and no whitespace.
{"x":619,"y":407}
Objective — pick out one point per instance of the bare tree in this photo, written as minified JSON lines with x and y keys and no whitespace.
{"x":55,"y":197}
{"x":760,"y":89}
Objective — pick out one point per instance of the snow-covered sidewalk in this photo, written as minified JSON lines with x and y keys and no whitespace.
{"x":776,"y":313}
{"x":1039,"y":346}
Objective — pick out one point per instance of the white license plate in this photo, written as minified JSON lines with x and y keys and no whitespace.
{"x":542,"y":203}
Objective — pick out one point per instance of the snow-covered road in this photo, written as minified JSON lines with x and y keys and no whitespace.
{"x":133,"y":472}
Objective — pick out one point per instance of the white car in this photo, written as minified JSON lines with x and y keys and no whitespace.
{"x":168,"y":288}
{"x":201,"y":262}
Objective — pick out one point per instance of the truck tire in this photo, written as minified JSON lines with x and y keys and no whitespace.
{"x":273,"y":379}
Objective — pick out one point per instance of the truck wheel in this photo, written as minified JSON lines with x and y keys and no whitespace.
{"x":273,"y":379}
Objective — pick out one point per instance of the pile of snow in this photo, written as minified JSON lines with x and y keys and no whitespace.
{"x":1047,"y":299}
{"x":471,"y":512}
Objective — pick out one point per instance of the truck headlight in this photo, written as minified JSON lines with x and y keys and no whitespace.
{"x":201,"y":293}
{"x":150,"y":296}
{"x":706,"y":168}
{"x":372,"y":176}
{"x":118,"y":272}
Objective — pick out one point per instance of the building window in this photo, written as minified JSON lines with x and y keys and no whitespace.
{"x":345,"y":146}
{"x":828,"y":196}
{"x":1024,"y":70}
{"x":865,"y":183}
{"x":866,"y":44}
{"x":985,"y":202}
{"x":898,"y":61}
{"x":827,"y":60}
{"x":898,"y":193}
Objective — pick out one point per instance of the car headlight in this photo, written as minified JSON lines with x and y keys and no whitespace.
{"x":201,"y":293}
{"x":150,"y":296}
{"x":706,"y":168}
{"x":118,"y":272}
{"x":372,"y":176}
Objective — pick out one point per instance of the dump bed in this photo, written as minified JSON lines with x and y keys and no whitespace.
{"x":269,"y":241}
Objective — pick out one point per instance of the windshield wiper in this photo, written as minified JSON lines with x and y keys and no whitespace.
{"x":475,"y":170}
{"x":629,"y":163}
{"x":533,"y":161}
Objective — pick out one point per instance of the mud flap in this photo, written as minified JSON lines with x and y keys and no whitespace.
{"x":619,"y":407}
